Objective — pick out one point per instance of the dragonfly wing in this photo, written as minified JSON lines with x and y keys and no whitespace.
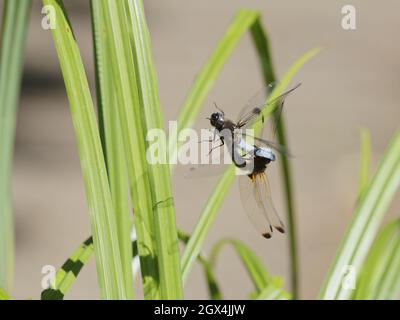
{"x":270,"y":144}
{"x":255,"y":101}
{"x":262,"y":184}
{"x":252,"y":114}
{"x":253,"y":205}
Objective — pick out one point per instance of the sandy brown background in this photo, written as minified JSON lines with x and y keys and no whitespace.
{"x":353,"y":83}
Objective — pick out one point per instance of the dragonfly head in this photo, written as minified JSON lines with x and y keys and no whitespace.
{"x":217,"y":120}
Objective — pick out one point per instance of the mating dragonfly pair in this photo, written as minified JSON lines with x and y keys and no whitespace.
{"x":252,"y":159}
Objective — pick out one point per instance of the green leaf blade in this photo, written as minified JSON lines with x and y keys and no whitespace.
{"x":366,"y":219}
{"x":12,"y":43}
{"x":261,"y":43}
{"x":267,"y":287}
{"x":112,"y":145}
{"x":379,"y":277}
{"x":160,"y":182}
{"x":117,"y":35}
{"x":104,"y":230}
{"x":364,"y":161}
{"x":4,"y":295}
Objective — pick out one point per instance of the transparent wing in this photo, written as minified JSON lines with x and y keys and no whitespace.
{"x":269,"y":209}
{"x":252,"y":207}
{"x":257,"y":100}
{"x":270,"y":144}
{"x":251,"y":114}
{"x":257,"y":202}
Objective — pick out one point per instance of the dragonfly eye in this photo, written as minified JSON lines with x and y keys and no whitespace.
{"x":216,"y":119}
{"x":215,"y":116}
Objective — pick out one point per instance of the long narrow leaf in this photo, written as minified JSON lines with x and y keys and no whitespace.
{"x":254,"y":267}
{"x":165,"y":231}
{"x":68,"y":273}
{"x":366,"y":220}
{"x":273,"y":292}
{"x":116,"y":35}
{"x":104,"y":229}
{"x":365,"y":155}
{"x":380,"y":277}
{"x":389,"y":288}
{"x":261,"y":43}
{"x":12,"y":42}
{"x":4,"y":295}
{"x":213,"y":288}
{"x":266,"y":286}
{"x":112,"y":145}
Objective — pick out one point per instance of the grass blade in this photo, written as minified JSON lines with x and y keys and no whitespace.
{"x":213,"y":288}
{"x":390,"y":285}
{"x":213,"y":204}
{"x":71,"y":268}
{"x":4,"y":295}
{"x":380,"y":277}
{"x":112,"y":145}
{"x":254,"y":267}
{"x":263,"y":282}
{"x":104,"y":229}
{"x":206,"y":220}
{"x":165,"y":231}
{"x":12,"y":42}
{"x":365,"y":161}
{"x":69,"y":271}
{"x":367,"y":217}
{"x":261,"y":43}
{"x":116,"y":35}
{"x":274,"y":291}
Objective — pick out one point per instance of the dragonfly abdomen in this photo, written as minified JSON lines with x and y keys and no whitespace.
{"x":260,"y":164}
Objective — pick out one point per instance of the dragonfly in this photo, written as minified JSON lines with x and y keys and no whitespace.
{"x":254,"y":185}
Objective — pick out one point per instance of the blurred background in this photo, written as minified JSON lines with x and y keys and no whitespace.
{"x":352,"y":83}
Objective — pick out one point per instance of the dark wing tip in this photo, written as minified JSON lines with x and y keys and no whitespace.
{"x":267,"y":235}
{"x":281,"y":229}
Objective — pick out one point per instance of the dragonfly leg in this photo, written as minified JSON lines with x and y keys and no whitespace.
{"x":213,"y":148}
{"x":210,"y":140}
